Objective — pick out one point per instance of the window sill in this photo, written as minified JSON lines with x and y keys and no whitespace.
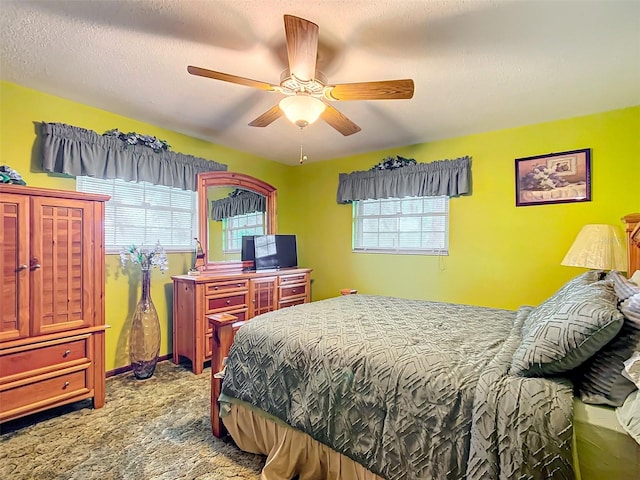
{"x":433,"y":253}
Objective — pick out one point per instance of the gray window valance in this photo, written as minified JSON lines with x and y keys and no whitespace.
{"x":240,"y":202}
{"x":80,"y":152}
{"x":442,"y":177}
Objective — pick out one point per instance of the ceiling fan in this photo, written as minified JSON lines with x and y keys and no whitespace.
{"x":307,"y":91}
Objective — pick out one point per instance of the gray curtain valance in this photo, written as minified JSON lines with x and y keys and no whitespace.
{"x":239,"y":203}
{"x":80,"y":152}
{"x":442,"y":177}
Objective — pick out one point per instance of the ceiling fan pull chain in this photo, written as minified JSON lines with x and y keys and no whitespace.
{"x":303,"y":158}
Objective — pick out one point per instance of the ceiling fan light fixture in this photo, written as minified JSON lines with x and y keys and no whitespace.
{"x":302,"y":109}
{"x":308,"y":95}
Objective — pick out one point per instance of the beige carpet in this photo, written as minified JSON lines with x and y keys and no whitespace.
{"x":151,"y":429}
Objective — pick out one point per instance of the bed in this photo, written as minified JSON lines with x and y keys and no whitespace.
{"x":371,"y":387}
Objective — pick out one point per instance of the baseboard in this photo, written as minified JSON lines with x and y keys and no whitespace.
{"x":120,"y":370}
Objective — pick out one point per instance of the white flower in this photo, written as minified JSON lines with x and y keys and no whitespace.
{"x":146,"y":257}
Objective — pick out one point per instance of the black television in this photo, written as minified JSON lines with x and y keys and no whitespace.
{"x":275,"y":251}
{"x":247,"y":251}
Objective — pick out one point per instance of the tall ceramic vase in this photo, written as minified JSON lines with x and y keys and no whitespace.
{"x":144,"y":339}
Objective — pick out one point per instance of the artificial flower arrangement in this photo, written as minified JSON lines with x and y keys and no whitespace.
{"x":391,"y":163}
{"x":133,"y":138}
{"x":9,"y":175}
{"x":146,"y":257}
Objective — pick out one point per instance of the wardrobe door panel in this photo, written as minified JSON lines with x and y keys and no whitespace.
{"x":14,"y":259}
{"x":60,"y":265}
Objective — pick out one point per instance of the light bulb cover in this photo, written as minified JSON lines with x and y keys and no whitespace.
{"x":301,"y":109}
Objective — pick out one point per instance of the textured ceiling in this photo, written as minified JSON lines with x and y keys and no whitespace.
{"x":477,"y":65}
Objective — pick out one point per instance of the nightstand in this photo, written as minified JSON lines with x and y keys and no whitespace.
{"x":348,"y":291}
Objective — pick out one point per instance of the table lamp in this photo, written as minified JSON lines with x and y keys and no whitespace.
{"x":598,"y":247}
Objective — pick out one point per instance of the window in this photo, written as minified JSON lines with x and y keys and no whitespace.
{"x":265,"y":246}
{"x":233,"y":228}
{"x":418,"y":225}
{"x":141,"y":213}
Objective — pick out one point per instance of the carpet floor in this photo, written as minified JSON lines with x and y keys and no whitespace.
{"x":151,"y":429}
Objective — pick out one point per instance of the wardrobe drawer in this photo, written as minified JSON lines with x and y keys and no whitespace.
{"x":216,"y":303}
{"x":227,"y":286}
{"x":48,"y":390}
{"x":50,"y":356}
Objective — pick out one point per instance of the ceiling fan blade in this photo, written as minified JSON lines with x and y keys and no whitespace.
{"x":267,"y":117}
{"x":384,"y":90}
{"x":226,"y":77}
{"x":302,"y":46}
{"x":338,"y":121}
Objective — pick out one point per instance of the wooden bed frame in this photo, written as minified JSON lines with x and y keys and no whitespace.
{"x":632,"y":229}
{"x":225,"y":326}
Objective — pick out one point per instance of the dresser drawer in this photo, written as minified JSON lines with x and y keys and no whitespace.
{"x":43,"y":357}
{"x":241,"y":316}
{"x":208,"y":346}
{"x":42,"y":392}
{"x":291,"y":303}
{"x":215,"y":304}
{"x":294,"y":278}
{"x":227,"y":286}
{"x":293,"y":291}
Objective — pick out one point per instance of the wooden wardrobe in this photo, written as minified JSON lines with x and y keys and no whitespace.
{"x":52,"y":325}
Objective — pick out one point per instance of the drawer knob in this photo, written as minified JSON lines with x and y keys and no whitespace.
{"x":66,"y":384}
{"x":228,"y":302}
{"x":24,"y":266}
{"x":293,"y":290}
{"x":66,"y":353}
{"x":216,"y":287}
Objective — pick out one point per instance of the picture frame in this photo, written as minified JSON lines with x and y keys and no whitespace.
{"x":563,"y":177}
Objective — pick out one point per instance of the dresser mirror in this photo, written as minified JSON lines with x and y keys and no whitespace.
{"x":227,"y":189}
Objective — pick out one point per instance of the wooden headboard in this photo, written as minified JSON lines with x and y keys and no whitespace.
{"x":632,"y":229}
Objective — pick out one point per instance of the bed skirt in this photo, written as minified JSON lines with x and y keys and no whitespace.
{"x":602,"y":449}
{"x":289,"y":452}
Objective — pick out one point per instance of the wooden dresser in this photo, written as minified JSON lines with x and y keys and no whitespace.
{"x":243,"y":295}
{"x":52,"y":310}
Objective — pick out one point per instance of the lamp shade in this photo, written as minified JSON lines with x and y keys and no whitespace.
{"x":302,"y":109}
{"x":598,"y":247}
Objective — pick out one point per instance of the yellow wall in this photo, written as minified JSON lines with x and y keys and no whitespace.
{"x":21,"y":108}
{"x":500,"y":255}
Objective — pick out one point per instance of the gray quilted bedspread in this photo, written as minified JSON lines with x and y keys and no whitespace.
{"x":410,"y":389}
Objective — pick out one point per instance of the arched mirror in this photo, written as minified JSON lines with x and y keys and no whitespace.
{"x":223,"y":197}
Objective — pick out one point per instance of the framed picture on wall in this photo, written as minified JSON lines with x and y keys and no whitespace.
{"x":554,"y":178}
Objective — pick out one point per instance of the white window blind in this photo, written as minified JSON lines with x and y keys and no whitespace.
{"x":413,"y":225}
{"x":233,"y":228}
{"x":141,"y":213}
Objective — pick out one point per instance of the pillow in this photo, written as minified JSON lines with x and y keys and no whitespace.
{"x":632,"y":369}
{"x":623,"y":287}
{"x":600,"y":380}
{"x":629,"y":418}
{"x":584,"y":279}
{"x":567,"y":329}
